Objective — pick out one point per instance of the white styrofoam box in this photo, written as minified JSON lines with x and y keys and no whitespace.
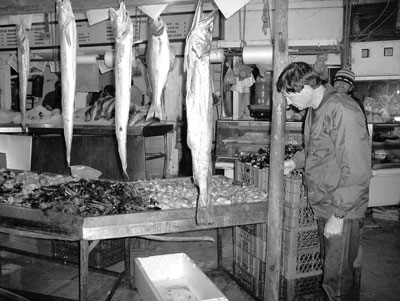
{"x":384,"y":188}
{"x":18,"y":149}
{"x":228,"y":168}
{"x":173,"y":277}
{"x":380,"y":59}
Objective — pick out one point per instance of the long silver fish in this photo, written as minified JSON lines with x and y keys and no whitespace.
{"x":23,"y":68}
{"x":200,"y":107}
{"x":123,"y":34}
{"x":158,"y":65}
{"x":68,"y":42}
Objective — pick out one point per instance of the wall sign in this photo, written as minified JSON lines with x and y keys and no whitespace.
{"x":99,"y":34}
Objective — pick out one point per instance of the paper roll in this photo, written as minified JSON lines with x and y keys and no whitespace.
{"x":86,"y":59}
{"x":109,"y":58}
{"x":258,"y":54}
{"x":217,"y":56}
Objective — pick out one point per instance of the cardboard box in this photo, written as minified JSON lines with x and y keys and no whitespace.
{"x":173,"y":277}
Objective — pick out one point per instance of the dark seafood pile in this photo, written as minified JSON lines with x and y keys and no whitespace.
{"x":76,"y":196}
{"x":260,"y":159}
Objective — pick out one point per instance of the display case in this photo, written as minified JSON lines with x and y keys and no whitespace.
{"x":385,"y":145}
{"x":384,"y":188}
{"x":237,"y":137}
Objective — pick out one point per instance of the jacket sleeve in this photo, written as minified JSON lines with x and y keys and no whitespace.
{"x":299,"y":159}
{"x":353,"y":155}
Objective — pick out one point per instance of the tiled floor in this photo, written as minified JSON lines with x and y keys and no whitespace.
{"x":380,"y":274}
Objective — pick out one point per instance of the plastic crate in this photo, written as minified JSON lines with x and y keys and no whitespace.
{"x":295,"y":240}
{"x":252,"y":239}
{"x":302,"y":289}
{"x":301,"y":262}
{"x":295,"y":191}
{"x":252,"y":284}
{"x":251,"y":175}
{"x":305,"y":263}
{"x":298,"y":215}
{"x":106,"y":253}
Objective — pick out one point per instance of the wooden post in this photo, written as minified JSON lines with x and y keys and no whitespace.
{"x":275,"y":204}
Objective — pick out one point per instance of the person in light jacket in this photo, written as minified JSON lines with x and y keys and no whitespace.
{"x":337,"y":169}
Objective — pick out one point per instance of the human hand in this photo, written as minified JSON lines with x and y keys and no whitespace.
{"x":333,"y":227}
{"x":288,"y":166}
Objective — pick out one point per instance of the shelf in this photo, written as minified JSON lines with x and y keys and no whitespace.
{"x":152,"y":156}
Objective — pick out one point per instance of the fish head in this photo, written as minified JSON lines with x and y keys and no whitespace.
{"x":156,"y":27}
{"x":202,"y":34}
{"x":120,"y":21}
{"x":116,"y":16}
{"x":64,"y":11}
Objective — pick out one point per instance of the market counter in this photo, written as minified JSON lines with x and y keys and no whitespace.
{"x":53,"y":225}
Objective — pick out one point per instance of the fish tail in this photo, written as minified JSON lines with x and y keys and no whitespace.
{"x":154,"y":111}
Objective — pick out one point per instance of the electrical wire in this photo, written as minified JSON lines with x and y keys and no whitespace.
{"x":379,"y":25}
{"x":376,"y":20}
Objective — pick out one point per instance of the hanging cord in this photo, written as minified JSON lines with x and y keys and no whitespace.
{"x":242,"y":27}
{"x":379,"y":25}
{"x":346,"y":33}
{"x":138,"y":27}
{"x":376,"y":20}
{"x":53,"y":37}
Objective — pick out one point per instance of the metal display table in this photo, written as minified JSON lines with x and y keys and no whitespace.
{"x":34,"y":223}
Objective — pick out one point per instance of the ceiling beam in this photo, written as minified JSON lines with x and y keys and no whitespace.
{"x":19,"y":7}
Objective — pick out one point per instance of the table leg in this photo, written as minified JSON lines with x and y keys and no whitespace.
{"x":83,"y":269}
{"x":165,"y":156}
{"x":127,"y":260}
{"x":219,"y":248}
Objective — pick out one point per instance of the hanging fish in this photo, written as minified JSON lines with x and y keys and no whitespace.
{"x":23,"y":68}
{"x":123,"y":34}
{"x":199,"y":107}
{"x":68,"y":42}
{"x":158,"y":58}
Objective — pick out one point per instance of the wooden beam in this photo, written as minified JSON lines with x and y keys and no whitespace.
{"x":18,"y":7}
{"x":275,"y":203}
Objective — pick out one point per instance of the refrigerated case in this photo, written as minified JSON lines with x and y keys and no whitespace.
{"x":384,"y":189}
{"x":238,"y":137}
{"x":377,"y":69}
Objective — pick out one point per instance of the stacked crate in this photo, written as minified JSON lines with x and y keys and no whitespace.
{"x":251,"y":175}
{"x":301,"y":263}
{"x":107,"y":252}
{"x":249,"y":252}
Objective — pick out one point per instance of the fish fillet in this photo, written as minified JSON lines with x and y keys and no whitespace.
{"x":68,"y":42}
{"x":23,"y":69}
{"x":123,"y":34}
{"x":199,"y":108}
{"x":158,"y":65}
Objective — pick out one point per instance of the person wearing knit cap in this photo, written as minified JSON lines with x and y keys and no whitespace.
{"x":344,"y":81}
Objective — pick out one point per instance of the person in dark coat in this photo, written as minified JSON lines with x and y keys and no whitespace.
{"x":52,"y":100}
{"x":337,"y":169}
